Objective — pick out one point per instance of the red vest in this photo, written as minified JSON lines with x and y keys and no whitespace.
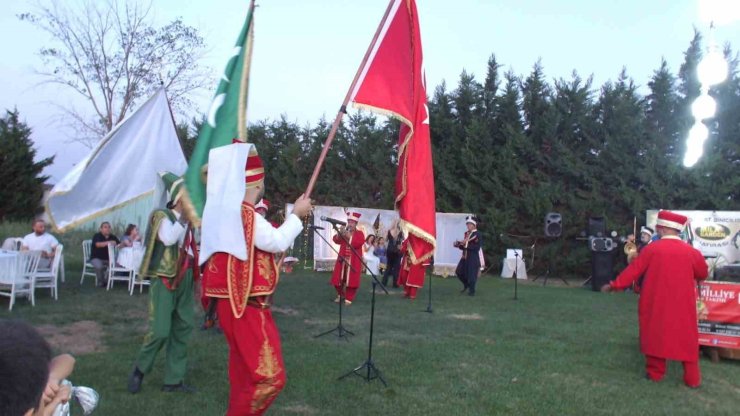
{"x":225,"y":276}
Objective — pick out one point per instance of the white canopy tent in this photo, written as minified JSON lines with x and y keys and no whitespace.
{"x":116,"y":181}
{"x":450,"y":227}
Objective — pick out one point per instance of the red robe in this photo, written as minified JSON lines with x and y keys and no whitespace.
{"x":243,"y":289}
{"x":411,"y":276}
{"x":341,"y":269}
{"x":667,"y":305}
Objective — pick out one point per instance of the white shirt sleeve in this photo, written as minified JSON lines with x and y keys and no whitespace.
{"x":26,"y":244}
{"x":53,"y":241}
{"x":275,"y":240}
{"x":170,"y":233}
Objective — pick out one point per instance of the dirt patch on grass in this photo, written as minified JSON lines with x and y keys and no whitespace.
{"x":77,"y":338}
{"x":287,"y":310}
{"x":300,"y":409}
{"x":467,"y":317}
{"x":136,"y":313}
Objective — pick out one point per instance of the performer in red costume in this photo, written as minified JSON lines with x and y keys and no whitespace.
{"x":347,"y":269}
{"x":667,"y":305}
{"x":238,"y":247}
{"x":411,"y":276}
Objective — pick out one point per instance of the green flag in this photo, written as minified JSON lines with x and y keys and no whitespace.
{"x":227,"y":119}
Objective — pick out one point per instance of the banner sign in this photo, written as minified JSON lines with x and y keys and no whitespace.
{"x":718,"y":311}
{"x":714,"y":233}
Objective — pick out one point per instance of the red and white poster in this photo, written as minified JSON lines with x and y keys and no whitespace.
{"x":718,"y":311}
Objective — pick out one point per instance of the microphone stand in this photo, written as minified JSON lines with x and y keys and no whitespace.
{"x":429,"y":304}
{"x":372,"y":371}
{"x":516,"y":267}
{"x":340,"y":330}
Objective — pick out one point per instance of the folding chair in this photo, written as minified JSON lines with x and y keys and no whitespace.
{"x":44,"y":279}
{"x":86,"y":250}
{"x":116,"y":272}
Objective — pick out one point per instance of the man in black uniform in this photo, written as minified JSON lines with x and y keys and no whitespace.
{"x":469,"y":265}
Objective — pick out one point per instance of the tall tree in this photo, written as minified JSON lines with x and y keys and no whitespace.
{"x":23,"y":184}
{"x":112,"y":54}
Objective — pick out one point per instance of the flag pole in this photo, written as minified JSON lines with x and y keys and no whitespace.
{"x":343,"y":109}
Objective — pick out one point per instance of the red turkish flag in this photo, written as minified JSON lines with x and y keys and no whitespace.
{"x":392,"y":83}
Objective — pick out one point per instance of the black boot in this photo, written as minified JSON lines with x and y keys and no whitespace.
{"x":178,"y":388}
{"x":135,"y":380}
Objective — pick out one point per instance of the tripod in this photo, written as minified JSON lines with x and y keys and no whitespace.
{"x":549,"y":268}
{"x":546,"y":274}
{"x":340,"y":330}
{"x":372,"y":371}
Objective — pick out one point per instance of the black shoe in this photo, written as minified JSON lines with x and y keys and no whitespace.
{"x":178,"y":388}
{"x":465,"y":289}
{"x":471,"y":294}
{"x":134,"y":381}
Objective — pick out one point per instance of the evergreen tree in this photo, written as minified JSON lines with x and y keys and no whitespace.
{"x":23,"y":184}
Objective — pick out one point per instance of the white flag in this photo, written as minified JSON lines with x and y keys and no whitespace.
{"x":121,"y":170}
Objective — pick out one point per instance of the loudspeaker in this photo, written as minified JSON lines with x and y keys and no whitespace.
{"x":602,"y":269}
{"x":553,"y":224}
{"x":601,"y":244}
{"x":596,"y":227}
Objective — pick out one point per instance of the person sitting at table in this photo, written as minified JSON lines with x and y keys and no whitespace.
{"x":131,"y":236}
{"x":40,"y":240}
{"x":99,"y":253}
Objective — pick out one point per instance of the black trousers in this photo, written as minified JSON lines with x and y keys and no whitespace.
{"x":392,"y":269}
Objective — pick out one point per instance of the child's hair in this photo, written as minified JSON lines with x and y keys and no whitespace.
{"x":24,"y":367}
{"x":129,"y":229}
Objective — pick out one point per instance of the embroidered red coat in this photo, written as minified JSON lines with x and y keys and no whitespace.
{"x":667,"y":305}
{"x":225,"y":276}
{"x":410,"y":274}
{"x":345,"y":254}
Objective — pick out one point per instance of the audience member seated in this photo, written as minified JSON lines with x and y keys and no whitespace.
{"x":380,"y":253}
{"x":131,"y":236}
{"x":99,"y":253}
{"x":29,"y":378}
{"x":370,"y":259}
{"x":40,"y":240}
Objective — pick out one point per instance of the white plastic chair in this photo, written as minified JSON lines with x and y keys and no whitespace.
{"x":116,"y":272}
{"x":18,"y":280}
{"x":12,"y":243}
{"x":139,"y":280}
{"x":47,"y":279}
{"x":86,"y":250}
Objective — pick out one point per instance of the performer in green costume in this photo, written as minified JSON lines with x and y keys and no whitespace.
{"x":167,"y":263}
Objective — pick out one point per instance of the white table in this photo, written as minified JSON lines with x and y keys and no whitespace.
{"x":130,"y":257}
{"x":508,"y":270}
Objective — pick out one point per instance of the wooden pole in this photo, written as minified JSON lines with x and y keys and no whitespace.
{"x":343,"y":108}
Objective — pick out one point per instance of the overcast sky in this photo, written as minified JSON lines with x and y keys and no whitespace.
{"x":307,"y":51}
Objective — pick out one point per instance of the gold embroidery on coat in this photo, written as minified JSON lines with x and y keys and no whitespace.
{"x":268,"y":367}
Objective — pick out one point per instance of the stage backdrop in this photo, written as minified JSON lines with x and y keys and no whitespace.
{"x":713,"y":233}
{"x":450,"y":227}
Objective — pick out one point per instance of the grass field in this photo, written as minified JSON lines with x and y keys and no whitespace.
{"x":555,"y":351}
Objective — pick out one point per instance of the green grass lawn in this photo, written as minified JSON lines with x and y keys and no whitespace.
{"x":555,"y":351}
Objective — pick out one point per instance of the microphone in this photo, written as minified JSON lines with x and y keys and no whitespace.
{"x":332,"y":220}
{"x":315,"y":227}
